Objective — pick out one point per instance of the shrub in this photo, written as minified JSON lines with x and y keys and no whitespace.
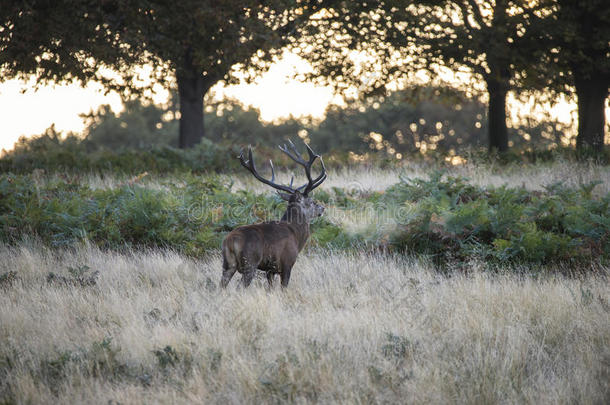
{"x":53,"y":152}
{"x":453,"y":219}
{"x":191,"y":218}
{"x":444,"y":217}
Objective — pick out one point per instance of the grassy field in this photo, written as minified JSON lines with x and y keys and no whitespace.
{"x":367,"y":178}
{"x":154,"y":328}
{"x":80,"y":324}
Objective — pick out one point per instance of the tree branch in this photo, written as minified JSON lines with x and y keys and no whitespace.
{"x":464,"y":13}
{"x":476,"y":12}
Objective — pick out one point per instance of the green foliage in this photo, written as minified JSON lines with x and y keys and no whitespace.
{"x":145,"y":125}
{"x":190,"y":218}
{"x":169,"y":359}
{"x":425,"y":31}
{"x":100,"y":360}
{"x":79,"y":277}
{"x":397,"y":347}
{"x":138,"y":126}
{"x":8,"y":279}
{"x":579,"y":32}
{"x":196,"y":43}
{"x":482,"y":40}
{"x":60,"y":41}
{"x":53,"y":152}
{"x":443,"y":217}
{"x":285,"y":381}
{"x":143,"y":136}
{"x":166,"y":357}
{"x":327,"y":234}
{"x":455,"y":220}
{"x":423,"y":119}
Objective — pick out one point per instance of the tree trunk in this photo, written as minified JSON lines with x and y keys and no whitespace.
{"x":591,"y":93}
{"x":498,"y":132}
{"x":192,"y":87}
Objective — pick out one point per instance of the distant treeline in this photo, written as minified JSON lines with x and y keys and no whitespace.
{"x":363,"y":49}
{"x":421,"y":121}
{"x":417,"y":119}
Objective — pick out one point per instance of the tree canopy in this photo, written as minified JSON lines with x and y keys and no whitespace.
{"x":61,"y":41}
{"x":195,"y":43}
{"x":205,"y":42}
{"x":362,"y":48}
{"x":370,"y":45}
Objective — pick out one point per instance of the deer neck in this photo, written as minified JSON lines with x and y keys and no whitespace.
{"x":299,"y":221}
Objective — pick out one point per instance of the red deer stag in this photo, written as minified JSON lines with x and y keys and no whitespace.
{"x":273,"y":246}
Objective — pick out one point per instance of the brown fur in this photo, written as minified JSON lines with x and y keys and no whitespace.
{"x":273,"y":246}
{"x":269,"y":246}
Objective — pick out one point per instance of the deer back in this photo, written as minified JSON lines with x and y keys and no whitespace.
{"x":264,"y":245}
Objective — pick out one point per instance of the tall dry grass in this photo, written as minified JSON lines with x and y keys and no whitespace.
{"x":366,"y":178}
{"x":351,"y":328}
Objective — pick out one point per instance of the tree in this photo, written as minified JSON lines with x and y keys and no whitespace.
{"x":369,"y":45}
{"x":138,"y":126}
{"x":60,"y":41}
{"x":204,"y":42}
{"x":196,"y":42}
{"x":579,"y":62}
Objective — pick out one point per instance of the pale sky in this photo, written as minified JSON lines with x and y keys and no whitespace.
{"x":275,"y":94}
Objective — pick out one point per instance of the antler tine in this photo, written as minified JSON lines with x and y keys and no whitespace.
{"x":244,"y":163}
{"x":312,"y":154}
{"x":292,"y":152}
{"x":249,"y":164}
{"x":272,"y":170}
{"x":294,"y":155}
{"x":251,"y":159}
{"x":295,"y":150}
{"x":318,"y":180}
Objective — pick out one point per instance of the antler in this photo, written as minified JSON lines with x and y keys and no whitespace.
{"x":296,"y":156}
{"x":249,"y":164}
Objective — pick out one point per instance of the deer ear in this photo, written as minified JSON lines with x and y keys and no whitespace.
{"x":285,"y":196}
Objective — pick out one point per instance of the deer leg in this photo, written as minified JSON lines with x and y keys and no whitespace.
{"x":227,"y":274}
{"x":286,"y":268}
{"x":285,"y":275}
{"x":248,"y":275}
{"x":270,"y":277}
{"x":228,"y":270}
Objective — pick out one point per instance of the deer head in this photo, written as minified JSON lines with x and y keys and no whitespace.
{"x":301,"y":207}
